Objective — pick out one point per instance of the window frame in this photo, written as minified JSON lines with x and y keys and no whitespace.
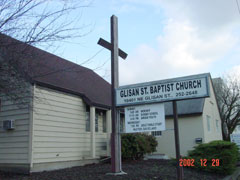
{"x":96,"y":121}
{"x":87,"y":127}
{"x":156,"y":133}
{"x":217,"y":125}
{"x":122,"y":122}
{"x":104,"y":122}
{"x":208,"y":123}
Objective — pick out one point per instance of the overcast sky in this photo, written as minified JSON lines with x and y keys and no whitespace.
{"x":163,"y":38}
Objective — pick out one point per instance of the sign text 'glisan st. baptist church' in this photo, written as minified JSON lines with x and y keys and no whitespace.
{"x":165,"y":90}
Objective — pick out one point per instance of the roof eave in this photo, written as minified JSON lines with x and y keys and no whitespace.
{"x":83,"y":96}
{"x":185,"y":115}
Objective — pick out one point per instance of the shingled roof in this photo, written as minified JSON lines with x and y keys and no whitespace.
{"x":51,"y":71}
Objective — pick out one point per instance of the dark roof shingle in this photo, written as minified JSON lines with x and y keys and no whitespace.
{"x":52,"y":71}
{"x":49,"y":70}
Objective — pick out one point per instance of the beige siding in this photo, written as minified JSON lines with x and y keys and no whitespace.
{"x":210,"y":109}
{"x":101,"y":144}
{"x":14,"y":146}
{"x":59,"y":122}
{"x":189,"y":129}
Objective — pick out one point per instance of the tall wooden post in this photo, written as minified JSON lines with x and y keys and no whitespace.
{"x":115,"y":145}
{"x":115,"y":136}
{"x":177,"y":144}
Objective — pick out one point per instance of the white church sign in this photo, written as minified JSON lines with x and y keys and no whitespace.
{"x":188,"y":87}
{"x":150,"y":115}
{"x":145,"y":118}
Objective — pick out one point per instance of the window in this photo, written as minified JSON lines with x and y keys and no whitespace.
{"x":122,"y":124}
{"x":156,"y":133}
{"x":104,"y":122}
{"x":96,"y":121}
{"x":208,"y":123}
{"x":87,"y":118}
{"x":217,"y":125}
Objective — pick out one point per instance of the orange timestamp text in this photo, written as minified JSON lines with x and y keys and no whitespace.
{"x":203,"y":162}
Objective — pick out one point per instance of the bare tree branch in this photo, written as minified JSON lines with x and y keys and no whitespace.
{"x":228,"y":98}
{"x":33,"y":22}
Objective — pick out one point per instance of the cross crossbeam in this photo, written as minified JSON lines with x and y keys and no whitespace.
{"x":109,"y":46}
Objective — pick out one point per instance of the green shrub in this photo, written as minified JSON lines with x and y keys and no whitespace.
{"x":135,"y":146}
{"x":224,"y":151}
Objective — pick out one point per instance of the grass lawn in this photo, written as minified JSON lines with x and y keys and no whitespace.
{"x":136,"y":170}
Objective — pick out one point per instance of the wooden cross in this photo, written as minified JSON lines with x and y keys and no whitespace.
{"x":115,"y":136}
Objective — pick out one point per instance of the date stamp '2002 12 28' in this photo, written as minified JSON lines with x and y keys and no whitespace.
{"x":204,"y":162}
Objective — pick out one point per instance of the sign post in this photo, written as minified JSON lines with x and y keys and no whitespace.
{"x":115,"y":136}
{"x":177,"y":143}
